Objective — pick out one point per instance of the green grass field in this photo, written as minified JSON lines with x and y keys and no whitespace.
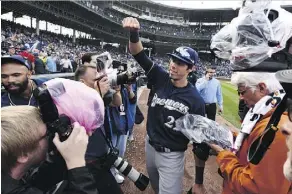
{"x":230,"y":103}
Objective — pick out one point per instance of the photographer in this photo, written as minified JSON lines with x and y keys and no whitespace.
{"x":25,"y":145}
{"x":98,"y":79}
{"x":98,"y":147}
{"x":258,"y":90}
{"x":133,"y":107}
{"x":173,"y":97}
{"x":122,"y":120}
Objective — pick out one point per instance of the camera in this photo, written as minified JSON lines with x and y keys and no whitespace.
{"x":61,"y":124}
{"x":140,"y":180}
{"x":50,"y":115}
{"x":117,"y":72}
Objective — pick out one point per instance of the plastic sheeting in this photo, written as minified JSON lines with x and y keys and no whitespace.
{"x":201,"y":129}
{"x":79,"y":102}
{"x":246,"y":40}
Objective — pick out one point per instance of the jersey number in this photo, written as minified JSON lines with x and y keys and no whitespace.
{"x":170,"y":122}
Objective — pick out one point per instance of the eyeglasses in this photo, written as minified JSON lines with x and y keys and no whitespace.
{"x":241,"y":92}
{"x":289,"y":108}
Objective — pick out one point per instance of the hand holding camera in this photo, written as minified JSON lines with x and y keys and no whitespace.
{"x":117,"y":88}
{"x":129,"y":87}
{"x":102,"y":85}
{"x":73,"y":149}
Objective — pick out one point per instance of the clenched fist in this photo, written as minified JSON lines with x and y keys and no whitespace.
{"x":131,"y":23}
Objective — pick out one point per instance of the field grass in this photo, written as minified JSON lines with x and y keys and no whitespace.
{"x":230,"y":103}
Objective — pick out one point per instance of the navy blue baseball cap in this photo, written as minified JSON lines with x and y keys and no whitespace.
{"x":186,"y":55}
{"x":15,"y":59}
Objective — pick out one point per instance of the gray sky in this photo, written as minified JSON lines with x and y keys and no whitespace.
{"x":210,"y":4}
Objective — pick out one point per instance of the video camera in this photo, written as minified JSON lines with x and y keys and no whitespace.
{"x":61,"y":124}
{"x":118,"y":73}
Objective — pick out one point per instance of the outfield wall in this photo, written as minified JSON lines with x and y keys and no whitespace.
{"x":224,"y":78}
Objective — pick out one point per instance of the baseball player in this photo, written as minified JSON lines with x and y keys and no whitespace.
{"x":173,"y":97}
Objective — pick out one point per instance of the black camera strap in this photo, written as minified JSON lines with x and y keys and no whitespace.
{"x":259,"y":147}
{"x":108,"y":135}
{"x":108,"y":140}
{"x":99,"y":90}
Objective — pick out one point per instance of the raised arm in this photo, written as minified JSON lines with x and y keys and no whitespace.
{"x":135,"y":45}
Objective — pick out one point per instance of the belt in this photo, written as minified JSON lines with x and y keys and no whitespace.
{"x":207,"y":104}
{"x":159,"y":148}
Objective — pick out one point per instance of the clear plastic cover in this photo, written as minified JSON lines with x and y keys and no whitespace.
{"x":79,"y":102}
{"x":246,"y":41}
{"x":201,"y":129}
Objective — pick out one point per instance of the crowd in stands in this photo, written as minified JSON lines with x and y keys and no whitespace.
{"x":158,"y":28}
{"x":17,"y":38}
{"x":53,"y":49}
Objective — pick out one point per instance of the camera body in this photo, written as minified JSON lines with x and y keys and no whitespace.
{"x":61,"y":124}
{"x":50,"y":115}
{"x":121,"y":74}
{"x":117,"y":72}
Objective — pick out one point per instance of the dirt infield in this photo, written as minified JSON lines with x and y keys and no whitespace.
{"x":136,"y":156}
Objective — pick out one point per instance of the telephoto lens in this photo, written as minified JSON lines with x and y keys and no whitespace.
{"x":140,"y":180}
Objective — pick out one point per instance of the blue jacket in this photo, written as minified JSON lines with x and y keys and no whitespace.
{"x":132,"y":108}
{"x":122,"y":118}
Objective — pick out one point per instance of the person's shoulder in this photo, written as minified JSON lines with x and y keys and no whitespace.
{"x":4,"y":99}
{"x":197,"y":103}
{"x":4,"y":93}
{"x":217,"y":81}
{"x":193,"y":92}
{"x":158,"y":67}
{"x":201,"y":79}
{"x":158,"y":70}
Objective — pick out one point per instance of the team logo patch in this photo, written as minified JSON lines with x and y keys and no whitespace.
{"x":170,"y":104}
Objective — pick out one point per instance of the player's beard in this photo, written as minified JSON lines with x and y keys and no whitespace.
{"x":22,"y":86}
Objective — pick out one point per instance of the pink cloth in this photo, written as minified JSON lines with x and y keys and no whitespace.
{"x":79,"y":102}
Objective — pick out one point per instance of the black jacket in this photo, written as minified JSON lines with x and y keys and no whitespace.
{"x":79,"y":181}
